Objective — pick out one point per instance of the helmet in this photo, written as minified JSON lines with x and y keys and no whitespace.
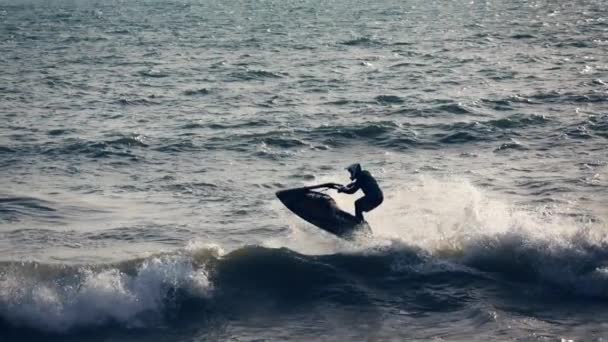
{"x":354,"y":170}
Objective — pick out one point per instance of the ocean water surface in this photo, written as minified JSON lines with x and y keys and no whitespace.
{"x":142,"y":142}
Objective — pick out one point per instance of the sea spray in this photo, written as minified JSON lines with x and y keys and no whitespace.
{"x":133,"y":294}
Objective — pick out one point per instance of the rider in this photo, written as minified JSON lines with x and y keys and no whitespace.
{"x":365,"y":181}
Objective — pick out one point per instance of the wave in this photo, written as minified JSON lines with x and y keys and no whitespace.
{"x":134,"y":146}
{"x":556,"y":97}
{"x":545,"y":246}
{"x":153,"y":73}
{"x":386,"y":134}
{"x":227,"y":125}
{"x":14,"y":208}
{"x":440,"y":107}
{"x":9,"y":152}
{"x":117,"y":147}
{"x":453,"y":108}
{"x":382,"y":133}
{"x":177,"y":145}
{"x":60,"y":131}
{"x":490,"y":130}
{"x":523,"y":36}
{"x":461,"y":137}
{"x":140,"y":293}
{"x":23,"y":208}
{"x":136,"y":102}
{"x":284,"y":142}
{"x":389,"y":99}
{"x":58,"y":298}
{"x":363,"y":41}
{"x":255,"y":137}
{"x":253,"y":75}
{"x":200,"y":91}
{"x":511,"y":145}
{"x":492,"y":248}
{"x":599,"y":125}
{"x":519,"y":121}
{"x":595,"y":125}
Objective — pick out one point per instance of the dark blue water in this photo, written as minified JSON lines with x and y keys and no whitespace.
{"x":141,"y":143}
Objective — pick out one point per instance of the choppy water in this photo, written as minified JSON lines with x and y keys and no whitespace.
{"x":141,"y":143}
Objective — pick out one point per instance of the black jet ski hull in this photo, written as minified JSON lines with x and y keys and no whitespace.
{"x":321,"y":210}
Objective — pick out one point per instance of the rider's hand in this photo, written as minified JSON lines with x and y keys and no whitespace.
{"x":340,"y":189}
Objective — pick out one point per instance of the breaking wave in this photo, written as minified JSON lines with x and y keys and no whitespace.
{"x":424,"y":240}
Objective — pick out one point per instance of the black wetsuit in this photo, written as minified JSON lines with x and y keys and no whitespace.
{"x":373,"y":195}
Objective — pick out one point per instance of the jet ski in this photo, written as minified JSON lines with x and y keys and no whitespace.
{"x":321,"y":210}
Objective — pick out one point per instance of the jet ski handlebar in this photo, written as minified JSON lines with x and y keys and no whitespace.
{"x":324,"y":185}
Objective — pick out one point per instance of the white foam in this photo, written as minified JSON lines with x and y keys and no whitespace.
{"x":100,"y":296}
{"x":452,"y":218}
{"x":451,"y":212}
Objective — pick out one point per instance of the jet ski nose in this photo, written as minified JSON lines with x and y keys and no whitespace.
{"x":281,"y":194}
{"x":288,"y":196}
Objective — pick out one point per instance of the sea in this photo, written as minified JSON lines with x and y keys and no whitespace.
{"x":142,"y":143}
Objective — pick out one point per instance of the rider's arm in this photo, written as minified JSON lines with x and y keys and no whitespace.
{"x":350,"y":188}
